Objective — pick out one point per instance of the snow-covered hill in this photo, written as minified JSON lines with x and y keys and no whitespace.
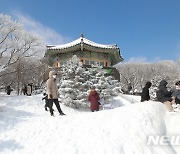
{"x":25,"y":128}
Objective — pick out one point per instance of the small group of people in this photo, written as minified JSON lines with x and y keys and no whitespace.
{"x":27,"y":89}
{"x":168,"y":97}
{"x":52,"y":96}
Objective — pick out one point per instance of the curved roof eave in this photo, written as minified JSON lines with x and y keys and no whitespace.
{"x":81,"y":40}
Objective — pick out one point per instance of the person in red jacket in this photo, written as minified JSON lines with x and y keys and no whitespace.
{"x":94,"y":100}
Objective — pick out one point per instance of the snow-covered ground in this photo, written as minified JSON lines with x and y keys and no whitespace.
{"x":25,"y":128}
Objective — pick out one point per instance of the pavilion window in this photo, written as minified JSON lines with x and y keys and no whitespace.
{"x":87,"y":62}
{"x":96,"y":63}
{"x":92,"y":62}
{"x":101,"y":63}
{"x":63,"y":63}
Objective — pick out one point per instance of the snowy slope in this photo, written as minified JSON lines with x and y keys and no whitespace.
{"x":27,"y":129}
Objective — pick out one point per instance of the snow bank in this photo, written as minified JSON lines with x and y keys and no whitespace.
{"x":26,"y":128}
{"x":173,"y":127}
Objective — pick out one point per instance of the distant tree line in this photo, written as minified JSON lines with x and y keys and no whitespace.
{"x":137,"y":74}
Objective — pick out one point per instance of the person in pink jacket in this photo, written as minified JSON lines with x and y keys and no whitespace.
{"x":94,"y":100}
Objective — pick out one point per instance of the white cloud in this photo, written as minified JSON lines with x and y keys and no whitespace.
{"x":142,"y":60}
{"x":50,"y":36}
{"x":137,"y":59}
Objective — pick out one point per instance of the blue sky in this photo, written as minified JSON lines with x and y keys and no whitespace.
{"x":145,"y":30}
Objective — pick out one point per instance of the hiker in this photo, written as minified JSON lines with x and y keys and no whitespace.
{"x":29,"y":89}
{"x":94,"y":99}
{"x":129,"y":88}
{"x":24,"y":89}
{"x":164,"y":96}
{"x":145,"y":92}
{"x":52,"y":92}
{"x":8,"y":90}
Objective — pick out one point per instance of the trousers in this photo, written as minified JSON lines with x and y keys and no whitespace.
{"x":56,"y":102}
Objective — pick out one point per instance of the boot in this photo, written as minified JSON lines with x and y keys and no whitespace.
{"x":62,"y":113}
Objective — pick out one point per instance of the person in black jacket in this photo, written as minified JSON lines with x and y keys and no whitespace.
{"x":24,"y":89}
{"x":9,"y":90}
{"x":145,"y":92}
{"x":176,"y":93}
{"x":164,"y":96}
{"x":46,"y":101}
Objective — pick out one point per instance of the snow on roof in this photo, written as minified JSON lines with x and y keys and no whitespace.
{"x":83,"y":41}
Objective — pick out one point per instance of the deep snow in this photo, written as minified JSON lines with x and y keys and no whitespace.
{"x":25,"y":128}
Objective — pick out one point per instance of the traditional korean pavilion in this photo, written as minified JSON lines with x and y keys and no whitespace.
{"x":87,"y":51}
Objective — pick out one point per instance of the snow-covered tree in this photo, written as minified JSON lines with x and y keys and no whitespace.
{"x":154,"y":87}
{"x":73,"y":85}
{"x":76,"y":82}
{"x":17,"y":49}
{"x":15,"y":43}
{"x":107,"y":86}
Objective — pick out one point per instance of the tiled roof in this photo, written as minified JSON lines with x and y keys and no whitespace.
{"x":82,"y":40}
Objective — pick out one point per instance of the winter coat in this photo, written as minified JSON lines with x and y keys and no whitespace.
{"x":176,"y":95}
{"x":162,"y":93}
{"x":24,"y":90}
{"x":145,"y":92}
{"x":8,"y":89}
{"x":94,"y":100}
{"x":29,"y":89}
{"x":52,"y":86}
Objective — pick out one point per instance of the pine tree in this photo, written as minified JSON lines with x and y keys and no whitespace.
{"x":107,"y":86}
{"x":76,"y":82}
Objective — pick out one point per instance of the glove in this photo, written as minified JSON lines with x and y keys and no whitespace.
{"x":50,"y":96}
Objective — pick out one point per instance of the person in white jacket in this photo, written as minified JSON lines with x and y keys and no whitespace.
{"x":52,"y":92}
